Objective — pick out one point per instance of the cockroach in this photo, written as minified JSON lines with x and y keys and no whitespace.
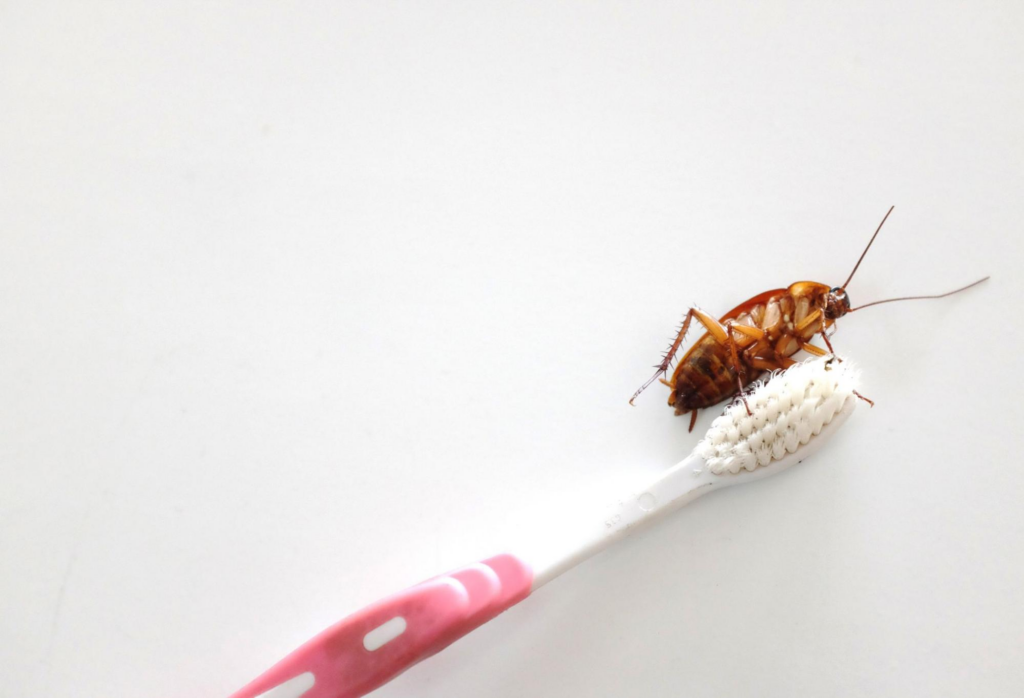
{"x":761,"y":334}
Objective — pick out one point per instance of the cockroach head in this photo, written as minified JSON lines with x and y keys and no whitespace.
{"x":837,"y":303}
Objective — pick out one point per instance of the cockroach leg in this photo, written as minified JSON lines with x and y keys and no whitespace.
{"x":824,"y":336}
{"x":785,"y":362}
{"x":741,"y":373}
{"x":714,"y":327}
{"x":755,"y":333}
{"x":808,"y":321}
{"x":669,"y":355}
{"x":811,"y":349}
{"x":763,"y":364}
{"x":870,"y":402}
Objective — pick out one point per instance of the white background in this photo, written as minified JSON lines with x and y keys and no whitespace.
{"x":302,"y":305}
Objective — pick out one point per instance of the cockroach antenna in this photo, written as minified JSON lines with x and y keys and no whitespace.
{"x":870,"y":242}
{"x":920,"y":298}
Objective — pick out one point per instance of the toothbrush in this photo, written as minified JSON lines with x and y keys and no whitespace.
{"x":792,"y":415}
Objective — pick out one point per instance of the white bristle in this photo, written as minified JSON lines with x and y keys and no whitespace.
{"x":788,"y":411}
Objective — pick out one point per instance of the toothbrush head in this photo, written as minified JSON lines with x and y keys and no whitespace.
{"x":788,"y":411}
{"x":794,"y":413}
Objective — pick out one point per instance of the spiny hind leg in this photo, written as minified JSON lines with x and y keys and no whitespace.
{"x":717,"y":330}
{"x":666,"y":360}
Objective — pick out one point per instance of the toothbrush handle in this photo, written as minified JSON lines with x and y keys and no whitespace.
{"x":374,"y":645}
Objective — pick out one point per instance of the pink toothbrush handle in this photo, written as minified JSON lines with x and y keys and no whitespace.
{"x":376,"y":644}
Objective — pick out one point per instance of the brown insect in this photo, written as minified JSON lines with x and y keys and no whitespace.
{"x":761,"y":334}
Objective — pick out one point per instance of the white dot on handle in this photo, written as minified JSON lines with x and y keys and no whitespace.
{"x":384,"y":633}
{"x":646,"y":501}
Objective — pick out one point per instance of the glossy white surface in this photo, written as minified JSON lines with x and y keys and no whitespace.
{"x":301,"y":306}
